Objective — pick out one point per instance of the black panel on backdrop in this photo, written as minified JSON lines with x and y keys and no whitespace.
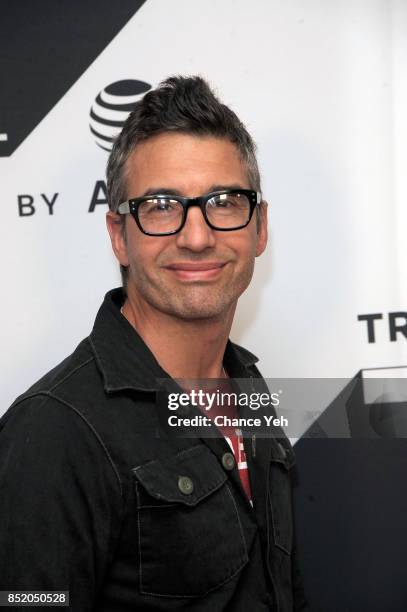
{"x":351,"y":507}
{"x":45,"y":47}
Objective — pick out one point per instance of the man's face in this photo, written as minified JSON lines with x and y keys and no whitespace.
{"x":198,"y":273}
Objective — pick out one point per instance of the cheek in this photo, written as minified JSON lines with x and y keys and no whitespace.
{"x":135,"y":252}
{"x":245,"y":247}
{"x":143,"y":252}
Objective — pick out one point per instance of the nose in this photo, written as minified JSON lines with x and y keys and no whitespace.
{"x":196,"y":235}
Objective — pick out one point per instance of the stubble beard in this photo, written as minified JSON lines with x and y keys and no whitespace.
{"x":192,"y":301}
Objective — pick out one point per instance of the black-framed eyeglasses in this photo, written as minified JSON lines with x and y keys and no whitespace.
{"x":162,"y":215}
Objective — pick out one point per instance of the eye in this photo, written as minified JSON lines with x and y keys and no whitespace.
{"x":227,"y":201}
{"x":159,"y":206}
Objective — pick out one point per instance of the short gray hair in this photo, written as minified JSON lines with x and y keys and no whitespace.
{"x":179,"y":104}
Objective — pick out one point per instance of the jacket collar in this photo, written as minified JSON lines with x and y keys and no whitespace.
{"x":126,"y":362}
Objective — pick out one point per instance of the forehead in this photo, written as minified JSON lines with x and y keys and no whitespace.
{"x":188,"y":163}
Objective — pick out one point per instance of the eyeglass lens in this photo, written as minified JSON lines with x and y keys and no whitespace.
{"x":165,"y":214}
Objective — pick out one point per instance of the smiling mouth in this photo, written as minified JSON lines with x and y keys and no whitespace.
{"x":197,"y":270}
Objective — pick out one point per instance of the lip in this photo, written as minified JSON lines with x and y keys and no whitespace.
{"x":203,"y":270}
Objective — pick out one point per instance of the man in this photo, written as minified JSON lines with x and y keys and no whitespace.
{"x":98,"y":496}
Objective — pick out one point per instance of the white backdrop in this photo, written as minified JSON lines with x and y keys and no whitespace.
{"x":322,"y":87}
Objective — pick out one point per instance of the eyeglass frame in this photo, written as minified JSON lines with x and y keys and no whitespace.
{"x":131,"y":207}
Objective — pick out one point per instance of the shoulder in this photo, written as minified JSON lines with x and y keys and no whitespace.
{"x":82,"y":358}
{"x":55,"y":399}
{"x":46,"y":429}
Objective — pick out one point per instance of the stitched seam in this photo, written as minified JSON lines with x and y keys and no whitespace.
{"x":157,"y":507}
{"x":181,"y":500}
{"x":187,"y":450}
{"x":50,"y":395}
{"x":238,"y":519}
{"x":204,"y":594}
{"x":139,"y":541}
{"x":97,"y":356}
{"x":227,"y":579}
{"x":116,"y":387}
{"x":177,"y":500}
{"x":276,"y":539}
{"x":78,"y":367}
{"x":79,"y":413}
{"x":30,"y":396}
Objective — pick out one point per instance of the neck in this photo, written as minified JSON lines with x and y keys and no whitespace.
{"x":183,"y":348}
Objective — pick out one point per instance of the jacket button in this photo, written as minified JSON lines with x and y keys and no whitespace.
{"x":228,"y":461}
{"x":185,"y":485}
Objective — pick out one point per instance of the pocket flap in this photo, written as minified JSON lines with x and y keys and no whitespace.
{"x":187,"y":477}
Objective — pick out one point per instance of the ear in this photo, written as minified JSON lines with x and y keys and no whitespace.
{"x":117,"y":231}
{"x":262,"y":233}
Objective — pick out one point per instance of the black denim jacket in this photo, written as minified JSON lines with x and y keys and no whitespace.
{"x":90,"y":499}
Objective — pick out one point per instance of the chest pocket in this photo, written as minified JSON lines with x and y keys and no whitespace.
{"x":190,"y":536}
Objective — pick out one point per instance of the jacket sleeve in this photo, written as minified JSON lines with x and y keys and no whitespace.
{"x":59,"y":501}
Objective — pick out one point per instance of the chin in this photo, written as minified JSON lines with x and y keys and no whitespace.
{"x":199,"y":311}
{"x":201,"y":314}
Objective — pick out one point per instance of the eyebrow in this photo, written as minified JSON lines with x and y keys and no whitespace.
{"x":175,"y":192}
